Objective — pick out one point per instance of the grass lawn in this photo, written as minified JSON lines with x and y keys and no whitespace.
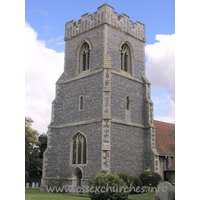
{"x":145,"y":196}
{"x":37,"y":195}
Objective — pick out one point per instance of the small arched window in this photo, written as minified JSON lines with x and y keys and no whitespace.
{"x":127,"y":103}
{"x":84,"y":57}
{"x":126,"y":58}
{"x":79,"y":149}
{"x":80,"y":102}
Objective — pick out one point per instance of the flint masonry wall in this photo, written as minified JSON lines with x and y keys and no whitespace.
{"x":66,"y":104}
{"x":123,"y":84}
{"x":128,"y":147}
{"x":58,"y":153}
{"x":121,"y":88}
{"x":105,"y":13}
{"x":130,"y":136}
{"x":71,"y":84}
{"x":95,"y":37}
{"x":115,"y":38}
{"x":65,"y":109}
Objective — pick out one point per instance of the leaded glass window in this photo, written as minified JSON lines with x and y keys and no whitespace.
{"x":74,"y":151}
{"x":79,"y":149}
{"x":79,"y":152}
{"x":88,"y":59}
{"x":126,"y":62}
{"x":84,"y":61}
{"x":84,"y":151}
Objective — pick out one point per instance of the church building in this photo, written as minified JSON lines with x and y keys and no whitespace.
{"x":102,"y":114}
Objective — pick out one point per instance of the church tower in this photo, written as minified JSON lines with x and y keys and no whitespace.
{"x":102,"y":115}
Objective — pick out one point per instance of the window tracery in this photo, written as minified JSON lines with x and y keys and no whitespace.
{"x":79,"y":149}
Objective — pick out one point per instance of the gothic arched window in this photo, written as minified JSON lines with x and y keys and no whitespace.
{"x":126,"y":58}
{"x":79,"y":149}
{"x":84,"y":57}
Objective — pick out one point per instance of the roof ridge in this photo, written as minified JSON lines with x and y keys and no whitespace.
{"x":164,"y":122}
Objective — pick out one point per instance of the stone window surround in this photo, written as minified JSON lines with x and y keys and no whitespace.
{"x":84,"y":57}
{"x":128,"y":103}
{"x":81,"y":103}
{"x":79,"y":54}
{"x":126,"y":49}
{"x":71,"y":151}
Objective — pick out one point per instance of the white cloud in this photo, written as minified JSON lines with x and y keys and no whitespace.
{"x":57,"y":41}
{"x":167,"y":105}
{"x":160,"y":68}
{"x":43,"y":68}
{"x":60,"y":43}
{"x":41,"y":12}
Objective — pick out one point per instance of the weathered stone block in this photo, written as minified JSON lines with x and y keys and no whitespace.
{"x":165,"y":191}
{"x":27,"y":185}
{"x":33,"y":185}
{"x":37,"y":185}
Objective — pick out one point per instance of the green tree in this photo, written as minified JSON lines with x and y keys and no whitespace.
{"x":26,"y":159}
{"x":31,"y":134}
{"x":35,"y":145}
{"x":150,"y":178}
{"x":118,"y":188}
{"x":43,"y":144}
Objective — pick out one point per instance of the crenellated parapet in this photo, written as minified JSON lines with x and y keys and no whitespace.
{"x":105,"y":14}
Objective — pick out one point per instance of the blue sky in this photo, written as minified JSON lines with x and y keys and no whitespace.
{"x":48,"y":18}
{"x":45,"y":26}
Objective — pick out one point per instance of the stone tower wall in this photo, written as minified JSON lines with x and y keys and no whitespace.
{"x":95,"y":37}
{"x":115,"y":38}
{"x":127,"y":151}
{"x":130,"y":146}
{"x":105,"y":14}
{"x":66,"y":103}
{"x":57,"y":156}
{"x":117,"y":140}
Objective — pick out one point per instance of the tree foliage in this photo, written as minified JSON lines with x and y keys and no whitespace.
{"x":111,"y":187}
{"x":150,"y":178}
{"x":43,"y":144}
{"x":35,"y":145}
{"x":31,"y":134}
{"x":131,"y":181}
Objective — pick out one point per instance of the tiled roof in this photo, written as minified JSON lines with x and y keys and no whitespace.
{"x":165,"y":140}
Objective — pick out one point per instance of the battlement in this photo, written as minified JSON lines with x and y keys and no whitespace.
{"x":105,"y":14}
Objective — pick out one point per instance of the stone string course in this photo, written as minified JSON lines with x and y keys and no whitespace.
{"x":105,"y":14}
